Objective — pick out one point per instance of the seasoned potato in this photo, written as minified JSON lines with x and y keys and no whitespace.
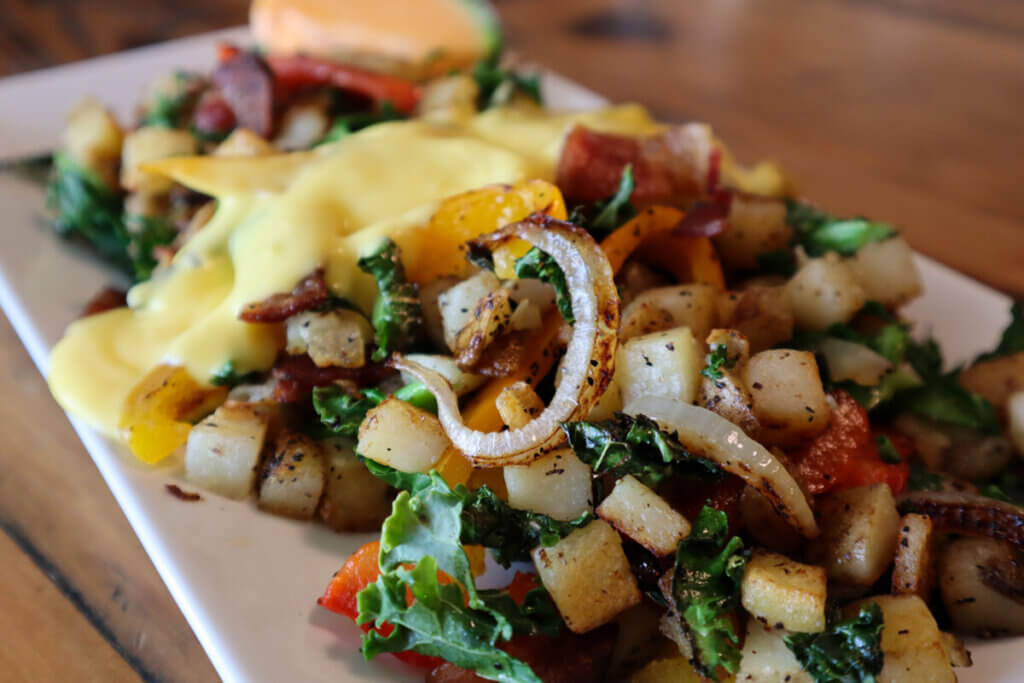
{"x":402,"y":436}
{"x":491,"y":318}
{"x":789,"y":400}
{"x":766,"y":659}
{"x":611,"y":400}
{"x":914,"y":565}
{"x":756,"y":225}
{"x":303,"y":125}
{"x":667,"y":670}
{"x":518,"y":404}
{"x":152,"y":143}
{"x":763,"y":314}
{"x":243,"y":143}
{"x":981,"y":581}
{"x":93,"y":139}
{"x":588,"y":576}
{"x":462,"y":382}
{"x":661,"y":364}
{"x":823,"y":292}
{"x":452,"y":97}
{"x":912,"y":644}
{"x":457,"y":304}
{"x":293,"y":477}
{"x":996,"y":379}
{"x":433,"y":324}
{"x":859,"y":532}
{"x":331,"y":338}
{"x":887,"y":272}
{"x":728,"y":394}
{"x":223,"y":451}
{"x":644,"y":516}
{"x":784,"y":594}
{"x":765,"y":525}
{"x":354,"y":499}
{"x":557,"y":484}
{"x":693,"y":306}
{"x":958,"y":653}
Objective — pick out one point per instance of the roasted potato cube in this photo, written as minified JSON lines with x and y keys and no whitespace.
{"x":243,"y":143}
{"x":980,"y":581}
{"x":823,"y":292}
{"x":996,"y":379}
{"x":644,"y":516}
{"x":766,"y":659}
{"x":556,"y":484}
{"x":588,"y":576}
{"x":93,"y":139}
{"x":859,"y":532}
{"x":783,"y":593}
{"x":303,"y":125}
{"x":912,"y":644}
{"x":914,"y":564}
{"x":789,"y":400}
{"x":462,"y":382}
{"x":223,"y":451}
{"x":402,"y":436}
{"x":331,"y":338}
{"x":354,"y":499}
{"x":457,"y":304}
{"x":887,"y":272}
{"x":756,"y":225}
{"x":491,"y":318}
{"x":610,"y":401}
{"x":433,"y":324}
{"x":661,"y":364}
{"x":958,"y":653}
{"x":765,"y":525}
{"x":667,"y":670}
{"x":152,"y":143}
{"x":764,"y":315}
{"x":293,"y":477}
{"x":518,"y":404}
{"x":693,"y":306}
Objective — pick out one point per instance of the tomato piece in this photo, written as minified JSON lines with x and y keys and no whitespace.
{"x":846,"y":455}
{"x":297,"y":71}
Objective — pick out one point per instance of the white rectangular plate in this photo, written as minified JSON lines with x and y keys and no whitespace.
{"x":246,"y":581}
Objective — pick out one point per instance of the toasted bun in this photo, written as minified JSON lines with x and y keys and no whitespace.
{"x":415,"y":39}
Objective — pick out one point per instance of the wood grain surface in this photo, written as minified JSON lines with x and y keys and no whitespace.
{"x":907,"y":110}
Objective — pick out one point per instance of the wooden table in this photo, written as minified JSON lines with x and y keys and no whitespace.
{"x":902,"y":109}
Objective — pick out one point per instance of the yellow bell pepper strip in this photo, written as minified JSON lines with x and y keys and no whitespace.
{"x":622,"y":243}
{"x":159,"y":411}
{"x":690,"y":259}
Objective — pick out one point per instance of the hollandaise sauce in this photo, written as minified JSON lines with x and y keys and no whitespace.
{"x":279,"y":218}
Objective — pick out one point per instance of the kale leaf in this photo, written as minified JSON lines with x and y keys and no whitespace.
{"x":820,"y":232}
{"x":348,"y":123}
{"x":397,"y":314}
{"x":1006,"y":486}
{"x":922,"y":479}
{"x":145,"y":234}
{"x":538,"y":265}
{"x":342,"y":414}
{"x":498,"y":85}
{"x":848,"y":651}
{"x":706,"y":590}
{"x":606,"y":215}
{"x":887,"y":451}
{"x":718,"y":358}
{"x":635,"y":445}
{"x":228,"y":375}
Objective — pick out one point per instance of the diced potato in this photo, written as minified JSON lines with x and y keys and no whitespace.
{"x":635,"y":278}
{"x":302,"y":126}
{"x":243,"y":143}
{"x":766,"y":659}
{"x":783,"y":593}
{"x":451,"y":98}
{"x":557,"y":484}
{"x":223,"y":451}
{"x":887,"y":272}
{"x":980,"y":581}
{"x":527,"y":316}
{"x":763,"y":314}
{"x":458,"y":303}
{"x":331,"y":338}
{"x":402,"y":436}
{"x":996,"y":379}
{"x":825,"y":291}
{"x":462,"y":382}
{"x":644,"y":516}
{"x":668,"y":670}
{"x":491,"y":318}
{"x":859,"y":532}
{"x":354,"y":499}
{"x":661,"y":364}
{"x":430,"y":302}
{"x":789,"y":400}
{"x":958,"y":653}
{"x":756,"y":225}
{"x":912,"y":645}
{"x":914,"y":565}
{"x":847,"y":360}
{"x":728,"y":394}
{"x":654,"y":310}
{"x":93,"y":139}
{"x":293,"y":477}
{"x":537,"y":292}
{"x":765,"y":525}
{"x":152,"y":143}
{"x":611,"y":400}
{"x":1015,"y":418}
{"x":588,"y":576}
{"x":518,"y":404}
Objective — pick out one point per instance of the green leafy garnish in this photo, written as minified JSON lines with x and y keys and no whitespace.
{"x":1006,"y":486}
{"x":887,"y":451}
{"x":346,"y":124}
{"x":146,"y":233}
{"x":228,"y":375}
{"x":397,"y":315}
{"x":922,"y":479}
{"x":607,"y":215}
{"x":1012,"y":340}
{"x":635,"y":445}
{"x":498,"y":85}
{"x":848,"y":651}
{"x":342,"y":414}
{"x":820,"y":232}
{"x":706,"y":589}
{"x":168,"y":108}
{"x":717,"y":359}
{"x":538,"y":265}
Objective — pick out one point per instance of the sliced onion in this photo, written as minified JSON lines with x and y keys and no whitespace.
{"x":717,"y":439}
{"x":853,"y":361}
{"x":589,"y":360}
{"x":959,"y":512}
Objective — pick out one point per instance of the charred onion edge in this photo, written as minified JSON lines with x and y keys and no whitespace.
{"x":715,"y":438}
{"x":589,"y":359}
{"x":968,"y":513}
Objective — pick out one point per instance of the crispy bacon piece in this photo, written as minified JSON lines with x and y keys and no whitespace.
{"x":213,"y":114}
{"x":570,"y":658}
{"x":105,"y":300}
{"x":704,"y":219}
{"x":247,"y":85}
{"x":310,"y":293}
{"x":295,"y":376}
{"x":674,"y":167}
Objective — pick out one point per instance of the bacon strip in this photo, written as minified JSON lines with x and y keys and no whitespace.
{"x":295,"y":376}
{"x":105,"y":300}
{"x":674,"y":167}
{"x":310,"y":293}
